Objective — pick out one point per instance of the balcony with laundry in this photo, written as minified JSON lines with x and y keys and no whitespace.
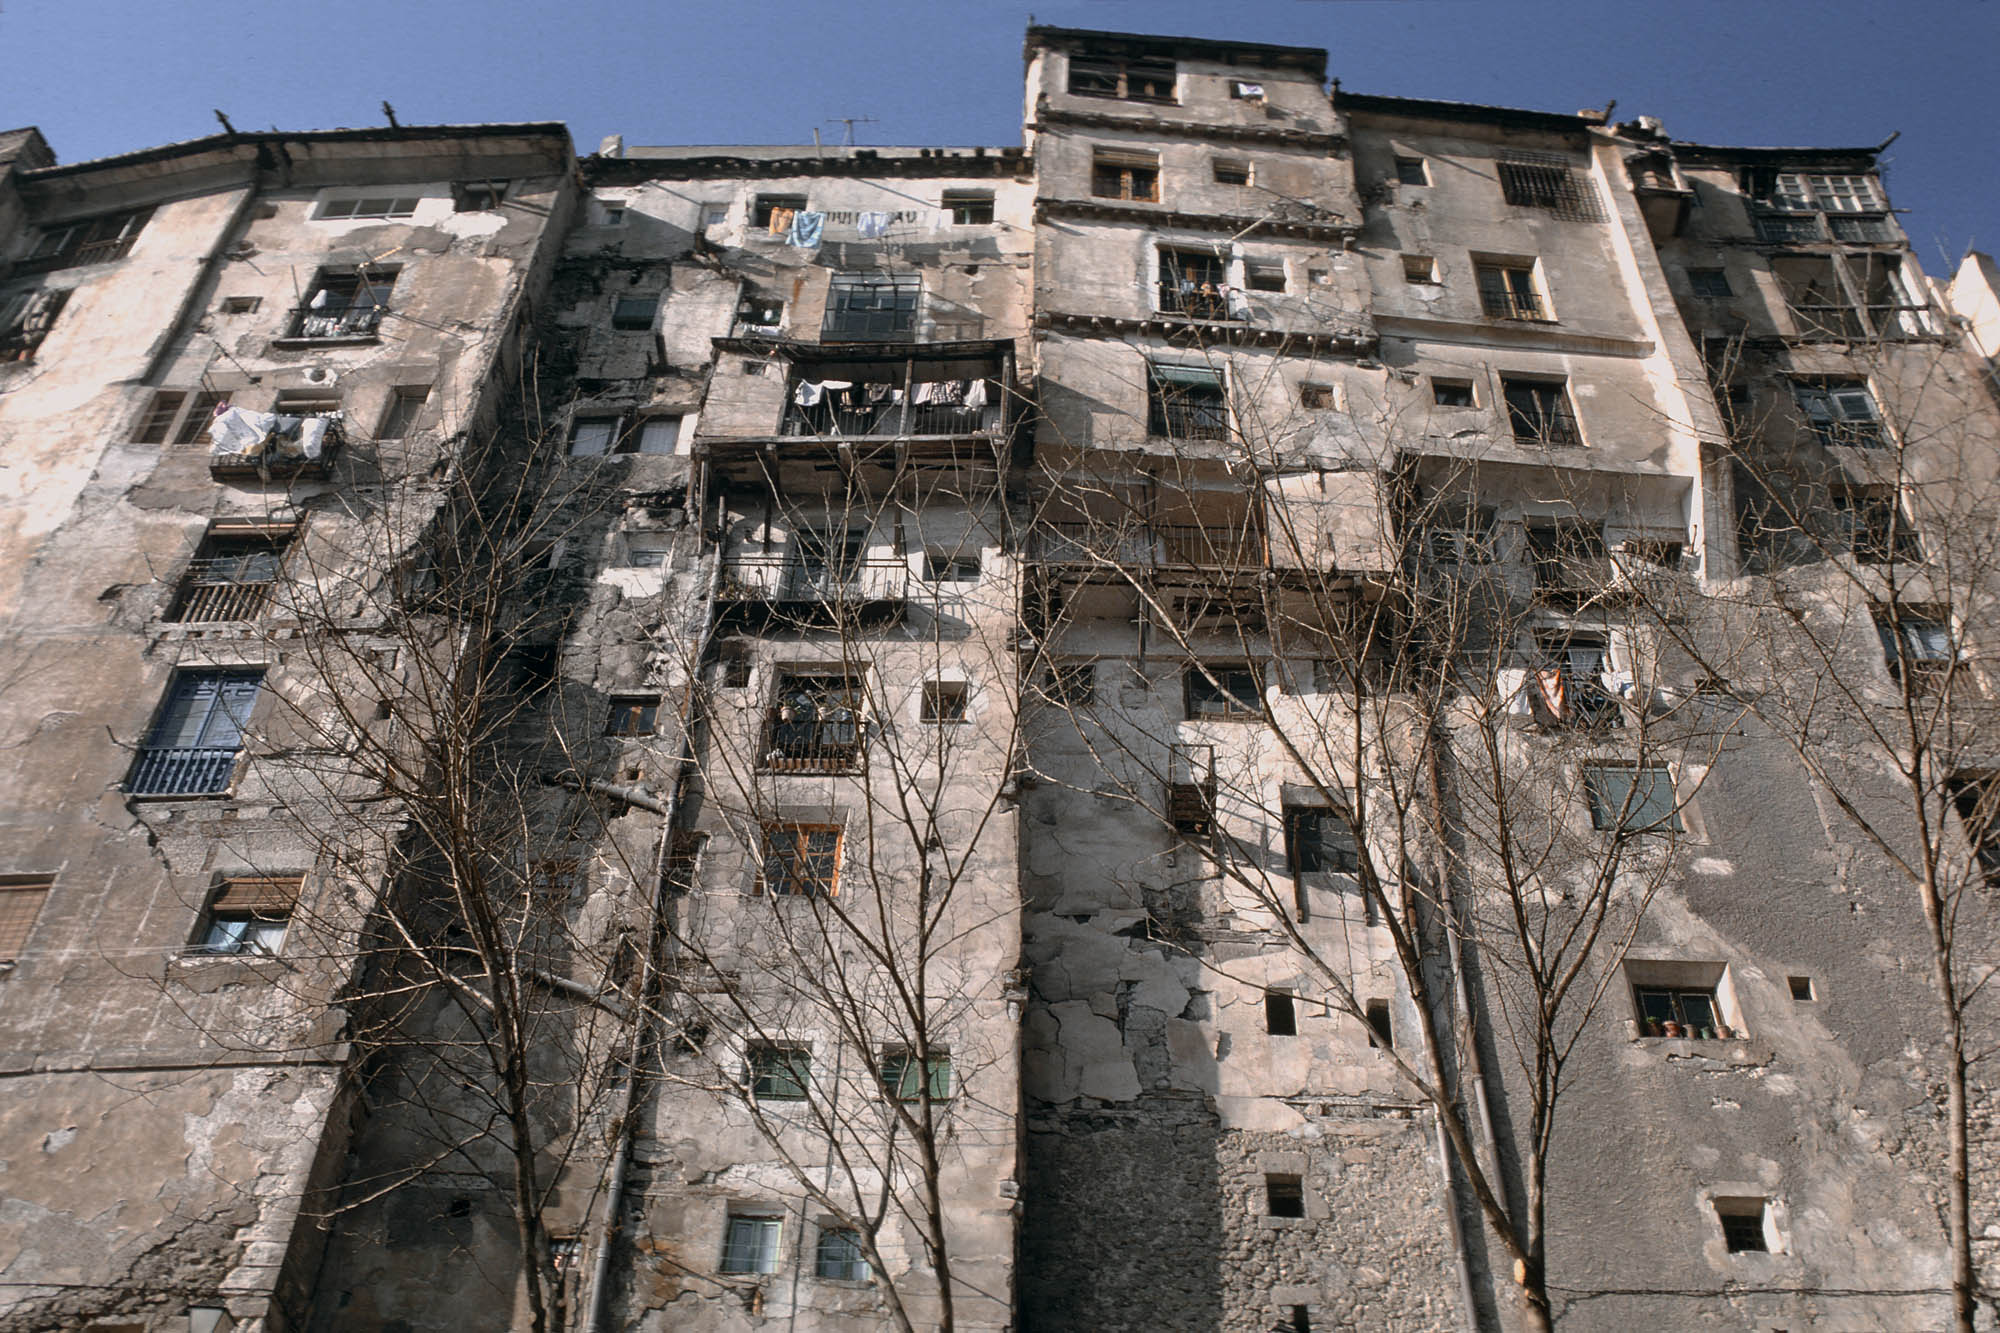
{"x":817,"y":575}
{"x":272,"y":446}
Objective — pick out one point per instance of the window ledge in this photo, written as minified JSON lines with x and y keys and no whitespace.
{"x":347,"y":340}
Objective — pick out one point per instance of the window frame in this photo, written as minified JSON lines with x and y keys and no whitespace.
{"x":800,"y":859}
{"x":242,"y":562}
{"x":356,"y":208}
{"x":1710,"y":284}
{"x":1841,"y":413}
{"x":633,"y":715}
{"x":1174,"y":408}
{"x":1512,"y":289}
{"x":1403,"y":164}
{"x":802,"y":744}
{"x":1232,"y":171}
{"x":1123,"y":78}
{"x":1607,"y":804}
{"x":644,"y":312}
{"x":864,"y":307}
{"x":197,"y":771}
{"x":969,"y":208}
{"x":759,"y":1256}
{"x":1207,"y":695}
{"x":247,"y":915}
{"x":945,"y":703}
{"x":1319,"y":840}
{"x":1553,"y":423}
{"x":22,"y":898}
{"x":102,"y":238}
{"x":778,"y":1071}
{"x":901,"y":1062}
{"x":1129,"y":175}
{"x":845,"y":1256}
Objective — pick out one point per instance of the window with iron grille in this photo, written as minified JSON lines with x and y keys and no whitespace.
{"x":1632,"y":798}
{"x":750,"y":1244}
{"x":1507,"y":291}
{"x":1121,"y":174}
{"x":345,"y":303}
{"x":249,"y":914}
{"x":232,"y":574}
{"x":95,"y":240}
{"x":21,"y":899}
{"x":1841,"y":413}
{"x":872,"y":309}
{"x":905,"y":1078}
{"x":779,"y":1072}
{"x":1552,"y":184}
{"x":1192,"y":283}
{"x":1539,"y":411}
{"x":1743,"y":1229}
{"x":192,"y":748}
{"x":802,"y":860}
{"x":969,"y":208}
{"x":1133,"y":80}
{"x":25,"y":320}
{"x":1186,"y":402}
{"x":838,"y":1258}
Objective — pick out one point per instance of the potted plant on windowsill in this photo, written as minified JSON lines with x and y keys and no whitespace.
{"x":1674,"y":1029}
{"x":1650,"y":1027}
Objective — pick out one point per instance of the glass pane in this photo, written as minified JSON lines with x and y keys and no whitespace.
{"x":591,"y":437}
{"x":659,"y":435}
{"x":1657,"y":1005}
{"x":1653,"y":801}
{"x":1697,"y":1009}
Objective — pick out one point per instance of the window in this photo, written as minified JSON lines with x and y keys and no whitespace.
{"x":1570,"y":682}
{"x":872,"y":309}
{"x":838,"y":1257}
{"x":1917,"y":640}
{"x":344,"y":304}
{"x":21,"y":899}
{"x":1710,"y":284}
{"x":1743,"y":1225}
{"x":767,"y":205}
{"x":1567,"y":558}
{"x":1381,"y":1036}
{"x":1412,"y":171}
{"x":1420,"y":269}
{"x":1264,"y":275}
{"x":1977,"y":801}
{"x":406,"y":404}
{"x":611,"y":214}
{"x":1539,"y":411}
{"x":1873,"y":528}
{"x":478,"y":196}
{"x":1281,"y":1017}
{"x":232,"y":574}
{"x":944,"y":701}
{"x":1300,"y":1317}
{"x":1192,"y":283}
{"x":907,"y":1079}
{"x":248,"y":914}
{"x":1186,"y":402}
{"x":715,"y":214}
{"x":1507,"y":291}
{"x":750,"y":1244}
{"x":969,"y":208}
{"x":653,"y":435}
{"x":1461,"y":537}
{"x":591,"y":436}
{"x":25,"y":319}
{"x":177,"y":415}
{"x":647,"y":550}
{"x":1121,"y":174}
{"x":1231,"y":171}
{"x":1547,"y":182}
{"x":633,"y":715}
{"x":1813,"y":191}
{"x":241,"y":305}
{"x":1320,"y":840}
{"x":161,"y":414}
{"x":634,"y":314}
{"x":760,"y":313}
{"x":1693,"y":1008}
{"x":942,"y":566}
{"x":564,"y":1252}
{"x":1841,"y":413}
{"x":815,"y":722}
{"x":1219,"y":690}
{"x":1284,"y":1196}
{"x":95,"y":240}
{"x":192,"y":748}
{"x":1632,"y":799}
{"x":1241,"y":90}
{"x":1134,"y":80}
{"x":802,"y":860}
{"x":1316,"y":397}
{"x":372,"y":206}
{"x":1070,"y":684}
{"x":779,"y":1072}
{"x":1451,"y":393}
{"x":1801,"y":989}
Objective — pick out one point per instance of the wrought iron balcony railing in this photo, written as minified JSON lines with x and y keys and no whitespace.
{"x":182,"y":771}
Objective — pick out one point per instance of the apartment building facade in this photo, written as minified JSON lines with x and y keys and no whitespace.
{"x":1148,"y":730}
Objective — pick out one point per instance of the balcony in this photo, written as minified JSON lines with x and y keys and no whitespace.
{"x":782,"y":589}
{"x":355,"y":323}
{"x":270,"y":446}
{"x":1149,"y":546}
{"x":1202,"y":301}
{"x":227,"y":587}
{"x":887,"y":410}
{"x":182,"y":771}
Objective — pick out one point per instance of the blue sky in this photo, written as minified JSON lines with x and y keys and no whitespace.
{"x":109,"y":76}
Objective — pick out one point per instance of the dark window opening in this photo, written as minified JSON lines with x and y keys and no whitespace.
{"x":95,"y":240}
{"x":1284,"y":1196}
{"x":1551,"y":185}
{"x":1320,"y":840}
{"x":942,"y":566}
{"x":1452,"y":393}
{"x":1917,"y":645}
{"x":478,"y":196}
{"x":1569,"y":682}
{"x":1231,"y":171}
{"x":1841,"y":414}
{"x":1125,"y":175}
{"x":1801,"y":988}
{"x":1567,"y":558}
{"x":1380,"y":1035}
{"x":815,"y":723}
{"x":1420,"y":269}
{"x":1070,"y":684}
{"x":1412,"y":171}
{"x":1977,"y":801}
{"x":1192,"y":283}
{"x":944,"y":701}
{"x":779,"y":1073}
{"x":25,"y":320}
{"x":1186,"y":403}
{"x":1873,"y":528}
{"x":1316,"y":397}
{"x":1261,"y":275}
{"x":838,"y":1257}
{"x":1223,"y":691}
{"x":345,"y":304}
{"x":634,"y":313}
{"x":905,"y":1078}
{"x":768,"y":204}
{"x":969,"y":208}
{"x":1710,"y":284}
{"x":1280,"y":1014}
{"x":1134,"y":80}
{"x":1694,"y":1008}
{"x":632,"y":715}
{"x":249,"y":915}
{"x":1539,"y":411}
{"x":1742,"y":1225}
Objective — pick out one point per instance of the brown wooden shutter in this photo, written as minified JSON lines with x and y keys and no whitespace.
{"x":271,"y":896}
{"x":21,"y":898}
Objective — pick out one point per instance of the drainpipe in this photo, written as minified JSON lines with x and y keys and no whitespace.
{"x":621,"y":1161}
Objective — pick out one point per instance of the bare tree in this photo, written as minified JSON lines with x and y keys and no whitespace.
{"x":1472,"y":746}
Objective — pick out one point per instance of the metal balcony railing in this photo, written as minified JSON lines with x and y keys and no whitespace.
{"x":1511,"y":304}
{"x":891,"y":419}
{"x":180,"y":771}
{"x":356,"y":321}
{"x":1184,"y":545}
{"x":222,"y":589}
{"x":785,"y":578}
{"x":1202,"y":302}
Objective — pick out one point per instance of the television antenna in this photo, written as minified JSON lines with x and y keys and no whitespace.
{"x":850,"y":122}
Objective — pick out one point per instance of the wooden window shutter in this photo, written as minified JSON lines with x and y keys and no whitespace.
{"x":258,"y":895}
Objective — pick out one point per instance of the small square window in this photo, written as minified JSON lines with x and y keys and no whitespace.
{"x":632,"y":715}
{"x":634,"y":313}
{"x":241,"y":305}
{"x":1420,"y":269}
{"x":478,"y":196}
{"x":1412,"y":171}
{"x":563,"y":1252}
{"x":750,"y":1245}
{"x":1743,"y":1225}
{"x":1451,"y":393}
{"x":944,"y":701}
{"x":1319,"y":840}
{"x":1284,"y":1196}
{"x":1316,"y":397}
{"x":1264,"y":275}
{"x":1242,"y":90}
{"x":1710,"y":284}
{"x":1801,"y":988}
{"x":1318,"y":277}
{"x":969,"y":208}
{"x":1281,"y":1018}
{"x":942,"y":566}
{"x":779,"y":1072}
{"x":715,"y":214}
{"x":1231,"y":171}
{"x":838,"y":1256}
{"x":761,"y":313}
{"x":647,"y":550}
{"x":1123,"y":174}
{"x":763,"y":212}
{"x":611,"y":215}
